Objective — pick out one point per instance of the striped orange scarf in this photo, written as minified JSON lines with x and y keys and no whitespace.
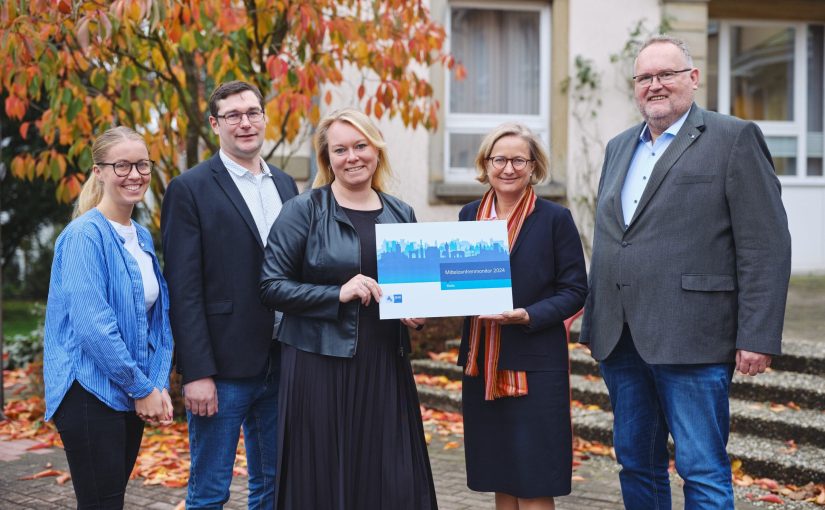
{"x":498,"y":383}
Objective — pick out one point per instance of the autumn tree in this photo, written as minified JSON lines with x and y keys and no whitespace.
{"x":150,"y":64}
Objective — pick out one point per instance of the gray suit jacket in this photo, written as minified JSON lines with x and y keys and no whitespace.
{"x":702,"y":270}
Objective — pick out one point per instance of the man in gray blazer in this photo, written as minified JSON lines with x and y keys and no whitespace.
{"x":689,"y":277}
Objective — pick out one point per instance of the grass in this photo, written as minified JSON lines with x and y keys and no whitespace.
{"x":20,"y":317}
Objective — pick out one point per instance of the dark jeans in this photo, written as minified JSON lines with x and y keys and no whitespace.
{"x":101,"y":446}
{"x":689,"y":402}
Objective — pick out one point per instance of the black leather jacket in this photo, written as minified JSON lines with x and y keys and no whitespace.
{"x":312,"y":250}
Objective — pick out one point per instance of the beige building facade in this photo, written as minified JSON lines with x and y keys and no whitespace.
{"x":563,"y":68}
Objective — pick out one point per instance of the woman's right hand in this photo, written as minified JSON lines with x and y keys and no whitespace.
{"x":151,"y":408}
{"x":360,"y":287}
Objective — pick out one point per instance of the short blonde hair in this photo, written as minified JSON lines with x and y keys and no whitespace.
{"x":366,"y":127}
{"x":92,"y":191}
{"x":541,"y":163}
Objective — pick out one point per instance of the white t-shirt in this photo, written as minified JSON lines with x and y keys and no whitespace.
{"x":147,"y":271}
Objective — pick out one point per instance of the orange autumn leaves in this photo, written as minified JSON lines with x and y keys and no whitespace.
{"x":164,"y":452}
{"x":75,"y":68}
{"x":164,"y":455}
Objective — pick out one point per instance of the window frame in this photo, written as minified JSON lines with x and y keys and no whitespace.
{"x":797,"y":128}
{"x":481,"y":124}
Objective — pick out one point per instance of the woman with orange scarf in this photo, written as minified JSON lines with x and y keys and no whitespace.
{"x":516,"y":388}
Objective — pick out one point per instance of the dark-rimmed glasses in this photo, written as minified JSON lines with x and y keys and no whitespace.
{"x":665,"y":77}
{"x":123,"y":168}
{"x":500,"y":162}
{"x":233,"y":118}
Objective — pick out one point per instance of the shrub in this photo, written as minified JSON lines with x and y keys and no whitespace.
{"x":25,"y":348}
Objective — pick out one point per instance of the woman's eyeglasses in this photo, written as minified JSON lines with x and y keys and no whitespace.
{"x":500,"y":162}
{"x":124,"y":168}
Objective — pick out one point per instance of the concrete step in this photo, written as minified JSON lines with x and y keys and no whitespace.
{"x":439,"y":398}
{"x":761,"y":457}
{"x":805,"y":390}
{"x":748,"y":416}
{"x":800,"y":356}
{"x":803,"y":356}
{"x":431,"y":367}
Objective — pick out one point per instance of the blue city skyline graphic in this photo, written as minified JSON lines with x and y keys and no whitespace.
{"x":456,"y":263}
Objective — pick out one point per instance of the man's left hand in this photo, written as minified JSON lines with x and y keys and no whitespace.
{"x":752,"y":363}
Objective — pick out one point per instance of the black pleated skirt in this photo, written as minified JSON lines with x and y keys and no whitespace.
{"x":522,"y":446}
{"x":350,"y":432}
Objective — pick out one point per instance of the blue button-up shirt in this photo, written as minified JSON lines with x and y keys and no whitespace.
{"x":98,"y":331}
{"x":644,"y":159}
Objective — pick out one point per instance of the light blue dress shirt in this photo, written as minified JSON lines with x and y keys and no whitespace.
{"x":644,"y":159}
{"x":98,"y":331}
{"x":259,"y":193}
{"x":263,"y":201}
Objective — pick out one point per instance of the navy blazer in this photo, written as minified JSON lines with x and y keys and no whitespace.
{"x":213,"y":255}
{"x":549,"y":281}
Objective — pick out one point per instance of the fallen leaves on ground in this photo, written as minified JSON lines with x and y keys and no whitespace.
{"x":447,"y":425}
{"x":811,"y":492}
{"x":449,"y":356}
{"x":581,"y":405}
{"x":438,"y":381}
{"x":164,"y":453}
{"x":24,"y":420}
{"x":583,"y":449}
{"x":775,"y":407}
{"x":42,"y":474}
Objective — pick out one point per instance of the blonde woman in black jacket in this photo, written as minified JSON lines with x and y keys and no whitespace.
{"x":349,"y":420}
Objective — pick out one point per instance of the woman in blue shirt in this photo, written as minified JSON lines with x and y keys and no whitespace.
{"x":108,"y":345}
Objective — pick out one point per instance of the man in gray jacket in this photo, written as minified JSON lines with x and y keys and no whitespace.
{"x":689,"y":277}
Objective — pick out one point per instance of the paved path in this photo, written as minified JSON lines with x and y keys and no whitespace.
{"x":596,"y":487}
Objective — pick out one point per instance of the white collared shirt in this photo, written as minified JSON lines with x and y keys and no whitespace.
{"x":258,"y":192}
{"x":641,"y":166}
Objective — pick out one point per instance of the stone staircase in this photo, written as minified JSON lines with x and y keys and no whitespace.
{"x":777,"y":418}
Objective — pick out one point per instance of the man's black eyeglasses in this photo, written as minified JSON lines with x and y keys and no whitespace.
{"x":665,"y":77}
{"x":233,"y":118}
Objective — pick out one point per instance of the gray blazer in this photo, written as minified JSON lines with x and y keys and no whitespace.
{"x":702,"y":270}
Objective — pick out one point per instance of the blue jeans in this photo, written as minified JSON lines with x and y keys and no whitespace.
{"x":689,"y":402}
{"x":253,"y":403}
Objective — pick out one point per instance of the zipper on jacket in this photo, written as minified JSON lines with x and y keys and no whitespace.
{"x":360,"y":268}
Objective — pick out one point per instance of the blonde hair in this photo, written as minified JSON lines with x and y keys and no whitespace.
{"x":541,"y":163}
{"x":92,"y":191}
{"x":367,"y":128}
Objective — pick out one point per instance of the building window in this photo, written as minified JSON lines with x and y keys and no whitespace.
{"x":772,"y":73}
{"x":506,"y":50}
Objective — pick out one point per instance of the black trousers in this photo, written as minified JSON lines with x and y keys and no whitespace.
{"x":101,"y":446}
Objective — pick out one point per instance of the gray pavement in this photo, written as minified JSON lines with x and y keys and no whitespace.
{"x":595,"y":486}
